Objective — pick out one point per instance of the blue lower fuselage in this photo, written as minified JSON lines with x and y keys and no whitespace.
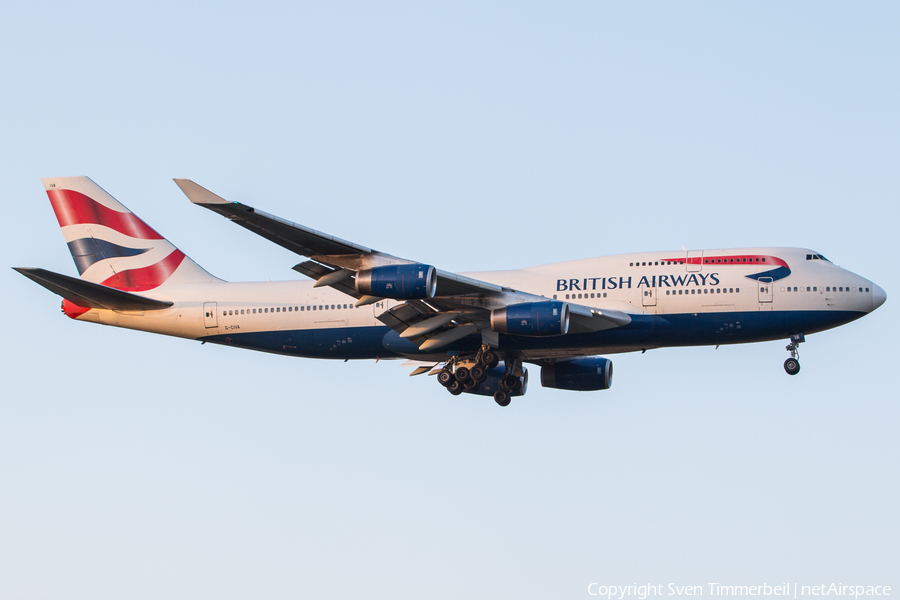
{"x":644,"y":332}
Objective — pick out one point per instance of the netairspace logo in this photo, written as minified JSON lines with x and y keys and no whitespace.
{"x":794,"y":590}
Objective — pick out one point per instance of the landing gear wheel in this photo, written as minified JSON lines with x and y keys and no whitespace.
{"x":501,"y":397}
{"x":792,"y":366}
{"x":478,"y":373}
{"x":455,"y":388}
{"x":510,"y":382}
{"x":462,"y":374}
{"x":490,"y":359}
{"x":471,"y":386}
{"x":445,"y":378}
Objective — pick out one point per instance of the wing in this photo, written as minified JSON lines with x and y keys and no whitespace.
{"x":460,"y":307}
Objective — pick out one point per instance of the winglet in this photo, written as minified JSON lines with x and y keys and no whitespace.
{"x":198,"y":194}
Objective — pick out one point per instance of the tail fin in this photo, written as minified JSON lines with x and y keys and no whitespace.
{"x":111,"y":245}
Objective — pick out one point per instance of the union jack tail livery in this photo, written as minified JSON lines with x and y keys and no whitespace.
{"x":111,"y":245}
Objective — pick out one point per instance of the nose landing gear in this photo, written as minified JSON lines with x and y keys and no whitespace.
{"x":792,"y":365}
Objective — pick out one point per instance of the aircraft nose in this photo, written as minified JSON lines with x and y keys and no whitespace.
{"x":878,"y":296}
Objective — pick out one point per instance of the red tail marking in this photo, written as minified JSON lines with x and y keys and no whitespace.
{"x":146,"y":278}
{"x":74,"y":208}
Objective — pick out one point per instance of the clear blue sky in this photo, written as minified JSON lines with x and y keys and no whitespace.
{"x":472,"y":137}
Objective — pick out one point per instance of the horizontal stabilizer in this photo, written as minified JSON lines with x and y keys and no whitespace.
{"x":91,"y":295}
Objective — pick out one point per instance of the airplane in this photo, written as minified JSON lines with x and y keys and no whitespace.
{"x":474,"y":331}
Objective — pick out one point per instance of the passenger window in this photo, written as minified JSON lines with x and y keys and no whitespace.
{"x":737,"y":290}
{"x":815,"y":289}
{"x":604,"y":294}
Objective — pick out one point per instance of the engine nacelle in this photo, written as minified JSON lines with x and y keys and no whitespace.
{"x":580,"y":374}
{"x":532,"y":319}
{"x":492,"y":383}
{"x":398,"y":282}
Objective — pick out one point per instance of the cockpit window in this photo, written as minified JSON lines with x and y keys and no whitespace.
{"x":816,"y":257}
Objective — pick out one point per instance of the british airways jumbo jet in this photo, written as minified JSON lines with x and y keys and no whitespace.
{"x":474,"y":331}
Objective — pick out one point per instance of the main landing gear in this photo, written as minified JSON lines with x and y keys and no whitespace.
{"x":792,"y":365}
{"x":460,"y":376}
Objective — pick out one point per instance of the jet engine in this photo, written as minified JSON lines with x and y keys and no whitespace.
{"x":398,"y":282}
{"x":579,"y":374}
{"x":535,"y":319}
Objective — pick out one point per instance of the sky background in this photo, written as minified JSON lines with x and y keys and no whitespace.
{"x":472,"y":136}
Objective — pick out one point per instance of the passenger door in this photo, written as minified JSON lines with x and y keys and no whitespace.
{"x":648,"y":297}
{"x":765,"y":291}
{"x":694,"y":261}
{"x":209,"y":315}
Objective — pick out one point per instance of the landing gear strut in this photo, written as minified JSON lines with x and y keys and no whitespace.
{"x":792,"y":365}
{"x":509,"y":384}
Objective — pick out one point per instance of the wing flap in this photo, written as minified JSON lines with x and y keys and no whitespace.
{"x":317,"y":271}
